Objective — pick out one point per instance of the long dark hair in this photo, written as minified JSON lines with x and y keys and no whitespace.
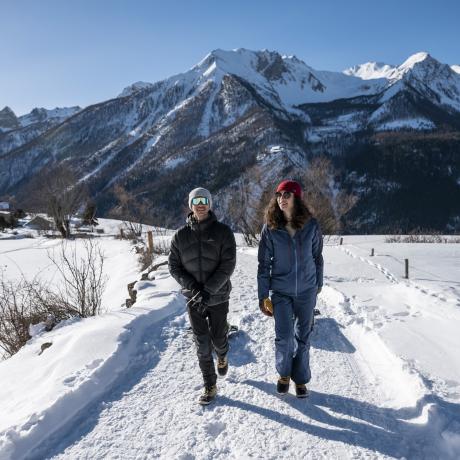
{"x":274,"y":217}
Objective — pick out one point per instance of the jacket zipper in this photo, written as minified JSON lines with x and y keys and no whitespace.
{"x":295,"y":259}
{"x":199,"y":253}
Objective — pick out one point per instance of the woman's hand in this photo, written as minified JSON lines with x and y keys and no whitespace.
{"x":266,"y":306}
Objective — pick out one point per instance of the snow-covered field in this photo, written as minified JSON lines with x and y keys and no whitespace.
{"x":385,"y":365}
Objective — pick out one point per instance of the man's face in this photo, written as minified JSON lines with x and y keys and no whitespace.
{"x":200,"y":207}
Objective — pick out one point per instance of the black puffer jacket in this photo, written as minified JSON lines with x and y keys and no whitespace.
{"x":204,"y":252}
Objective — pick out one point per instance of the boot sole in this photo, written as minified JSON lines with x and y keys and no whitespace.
{"x":205,"y":403}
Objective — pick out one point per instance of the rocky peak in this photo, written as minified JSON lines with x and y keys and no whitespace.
{"x":424,"y":67}
{"x":135,"y":87}
{"x":8,"y":119}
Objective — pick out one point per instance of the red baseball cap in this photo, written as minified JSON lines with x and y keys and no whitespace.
{"x":290,"y":186}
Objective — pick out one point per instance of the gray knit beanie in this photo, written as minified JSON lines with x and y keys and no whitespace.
{"x":200,"y":191}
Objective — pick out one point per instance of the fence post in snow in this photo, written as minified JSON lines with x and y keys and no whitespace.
{"x":341,"y":241}
{"x":372,"y":252}
{"x":150,"y":238}
{"x":407,"y":268}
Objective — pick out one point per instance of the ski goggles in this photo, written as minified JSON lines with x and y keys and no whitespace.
{"x":284,"y":195}
{"x":200,"y":200}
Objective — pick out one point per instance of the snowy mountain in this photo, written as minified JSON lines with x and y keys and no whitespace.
{"x":58,"y":115}
{"x":17,"y":131}
{"x":372,"y":70}
{"x":233,"y":113}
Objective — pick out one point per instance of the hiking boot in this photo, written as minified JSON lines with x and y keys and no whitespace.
{"x":208,"y":395}
{"x":282,"y":387}
{"x":222,"y":365}
{"x":301,"y":390}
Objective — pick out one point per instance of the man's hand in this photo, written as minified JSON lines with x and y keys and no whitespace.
{"x":199,"y":300}
{"x":266,"y":306}
{"x":196,"y":289}
{"x":319,"y":289}
{"x":205,"y":297}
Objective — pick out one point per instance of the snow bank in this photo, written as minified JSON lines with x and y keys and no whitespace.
{"x":42,"y":391}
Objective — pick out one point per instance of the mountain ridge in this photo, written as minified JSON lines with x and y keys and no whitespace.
{"x":231,"y":114}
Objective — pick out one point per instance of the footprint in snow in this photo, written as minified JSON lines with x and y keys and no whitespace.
{"x":215,"y":429}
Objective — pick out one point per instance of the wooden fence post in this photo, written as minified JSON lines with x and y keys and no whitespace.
{"x":150,"y":238}
{"x":407,"y":268}
{"x":372,"y":252}
{"x":341,"y":241}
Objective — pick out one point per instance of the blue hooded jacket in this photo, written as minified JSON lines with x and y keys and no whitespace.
{"x":290,"y":265}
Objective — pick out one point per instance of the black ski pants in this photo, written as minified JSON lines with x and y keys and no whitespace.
{"x":210,"y":331}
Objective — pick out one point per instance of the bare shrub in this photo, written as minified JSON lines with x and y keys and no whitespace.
{"x":89,"y":214}
{"x":14,"y":317}
{"x":8,"y":220}
{"x":161,"y":245}
{"x":246,"y":212}
{"x":83,"y":278}
{"x":22,"y":304}
{"x":61,"y":195}
{"x":145,"y":258}
{"x":420,"y":236}
{"x":131,"y":210}
{"x":328,"y":202}
{"x":161,"y":241}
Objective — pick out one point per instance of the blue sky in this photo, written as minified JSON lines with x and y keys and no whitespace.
{"x":79,"y":52}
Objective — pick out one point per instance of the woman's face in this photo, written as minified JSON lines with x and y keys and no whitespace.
{"x":285,"y":202}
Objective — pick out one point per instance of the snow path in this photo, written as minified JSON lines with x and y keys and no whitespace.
{"x":356,"y":410}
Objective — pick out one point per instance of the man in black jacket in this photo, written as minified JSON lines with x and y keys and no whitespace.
{"x":202,"y":259}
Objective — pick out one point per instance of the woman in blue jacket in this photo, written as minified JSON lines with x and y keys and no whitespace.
{"x":291,"y":270}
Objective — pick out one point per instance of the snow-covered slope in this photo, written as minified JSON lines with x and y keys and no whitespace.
{"x":372,"y":70}
{"x":40,"y":114}
{"x":437,"y":81}
{"x":386,"y":378}
{"x":18,"y":131}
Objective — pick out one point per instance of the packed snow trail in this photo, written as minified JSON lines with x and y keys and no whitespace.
{"x":355,"y":410}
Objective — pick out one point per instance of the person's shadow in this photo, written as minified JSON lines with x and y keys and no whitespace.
{"x":327,"y":335}
{"x":383,"y":430}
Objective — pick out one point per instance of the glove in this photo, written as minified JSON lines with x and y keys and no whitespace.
{"x":319,"y":290}
{"x":196,"y":288}
{"x":266,"y":306}
{"x":199,"y":299}
{"x":205,"y":297}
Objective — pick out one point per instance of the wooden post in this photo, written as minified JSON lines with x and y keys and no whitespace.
{"x":150,"y":238}
{"x":407,"y":268}
{"x":372,"y":252}
{"x":341,"y":241}
{"x":122,"y":234}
